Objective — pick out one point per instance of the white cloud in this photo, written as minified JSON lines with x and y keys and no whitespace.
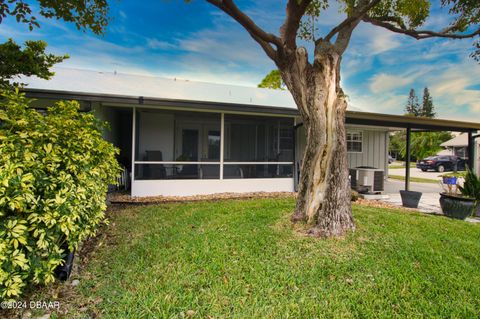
{"x":382,"y":82}
{"x":158,"y":44}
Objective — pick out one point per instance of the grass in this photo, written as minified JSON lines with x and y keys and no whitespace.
{"x":396,"y":165}
{"x":243,"y":259}
{"x":415,"y":179}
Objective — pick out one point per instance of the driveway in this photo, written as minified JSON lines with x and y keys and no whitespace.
{"x":429,"y":202}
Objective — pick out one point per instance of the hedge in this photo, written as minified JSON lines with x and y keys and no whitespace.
{"x":55,"y":169}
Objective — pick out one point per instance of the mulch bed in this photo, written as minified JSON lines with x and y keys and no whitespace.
{"x":125,"y":199}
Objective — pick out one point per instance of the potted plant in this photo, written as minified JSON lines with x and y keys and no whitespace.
{"x":461,"y":201}
{"x":471,"y":189}
{"x":450,"y":181}
{"x":410,"y":198}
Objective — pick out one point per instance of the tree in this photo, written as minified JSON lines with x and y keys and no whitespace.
{"x":427,"y":109}
{"x":32,"y":59}
{"x":324,"y":187}
{"x":272,"y":80}
{"x":425,"y":144}
{"x":412,"y":108}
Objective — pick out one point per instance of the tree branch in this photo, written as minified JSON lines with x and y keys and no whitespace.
{"x":346,"y":28}
{"x":351,"y":19}
{"x":288,"y":31}
{"x":263,"y":38}
{"x":420,"y":34}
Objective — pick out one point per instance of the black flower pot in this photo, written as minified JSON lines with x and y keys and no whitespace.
{"x":410,"y":198}
{"x":63,"y":272}
{"x":457,"y":207}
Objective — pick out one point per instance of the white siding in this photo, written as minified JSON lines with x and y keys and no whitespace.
{"x":374,"y":149}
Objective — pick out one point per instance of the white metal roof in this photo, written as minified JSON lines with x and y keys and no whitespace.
{"x":84,"y":81}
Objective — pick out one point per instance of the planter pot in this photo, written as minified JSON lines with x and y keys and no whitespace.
{"x":410,"y":198}
{"x":62,"y":272}
{"x":456,"y":207}
{"x":449,"y":180}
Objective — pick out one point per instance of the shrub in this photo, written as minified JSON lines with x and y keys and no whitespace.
{"x":54,"y":172}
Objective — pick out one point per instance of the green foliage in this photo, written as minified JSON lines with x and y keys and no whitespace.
{"x":471,"y":185}
{"x":406,"y":13}
{"x":427,"y":109}
{"x":308,"y":28}
{"x":31,"y":60}
{"x":422,"y":144}
{"x":272,"y":80}
{"x":54,"y":173}
{"x":89,"y":14}
{"x":425,"y":144}
{"x":467,"y":14}
{"x":413,"y":107}
{"x":396,"y":144}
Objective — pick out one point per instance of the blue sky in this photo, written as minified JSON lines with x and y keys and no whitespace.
{"x":198,"y":42}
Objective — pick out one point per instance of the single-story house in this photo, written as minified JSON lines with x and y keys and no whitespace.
{"x":179,"y":137}
{"x":458,"y":146}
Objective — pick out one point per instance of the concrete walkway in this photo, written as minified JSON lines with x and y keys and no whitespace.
{"x":429,"y":202}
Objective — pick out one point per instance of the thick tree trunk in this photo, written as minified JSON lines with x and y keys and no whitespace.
{"x":324,"y":189}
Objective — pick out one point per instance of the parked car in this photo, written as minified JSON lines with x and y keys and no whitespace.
{"x":390,"y":159}
{"x":441,"y":163}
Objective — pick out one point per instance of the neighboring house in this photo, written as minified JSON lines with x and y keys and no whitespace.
{"x":179,"y":137}
{"x":459,"y":146}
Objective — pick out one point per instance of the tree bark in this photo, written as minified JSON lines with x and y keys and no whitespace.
{"x":323,"y":199}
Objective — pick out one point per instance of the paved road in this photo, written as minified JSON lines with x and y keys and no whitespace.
{"x":415,"y":172}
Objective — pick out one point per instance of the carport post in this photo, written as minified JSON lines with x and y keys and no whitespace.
{"x":407,"y":160}
{"x":471,"y":151}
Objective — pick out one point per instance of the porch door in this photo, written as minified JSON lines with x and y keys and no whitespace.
{"x":198,"y":143}
{"x":188,"y":146}
{"x":211,"y":143}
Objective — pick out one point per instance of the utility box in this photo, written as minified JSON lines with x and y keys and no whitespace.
{"x":369,"y":180}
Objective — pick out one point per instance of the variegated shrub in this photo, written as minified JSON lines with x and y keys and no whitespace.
{"x":54,"y":172}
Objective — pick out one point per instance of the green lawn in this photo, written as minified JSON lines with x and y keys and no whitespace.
{"x":396,"y":164}
{"x":242,"y":259}
{"x":415,"y":179}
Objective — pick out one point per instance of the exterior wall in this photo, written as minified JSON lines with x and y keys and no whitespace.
{"x":212,"y":186}
{"x":374,"y":148}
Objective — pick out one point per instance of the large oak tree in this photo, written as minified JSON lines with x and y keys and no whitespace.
{"x":324,"y":189}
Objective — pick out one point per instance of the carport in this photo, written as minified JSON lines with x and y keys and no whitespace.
{"x":418,"y":124}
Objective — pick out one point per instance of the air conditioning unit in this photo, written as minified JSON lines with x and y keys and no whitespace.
{"x":370,"y":179}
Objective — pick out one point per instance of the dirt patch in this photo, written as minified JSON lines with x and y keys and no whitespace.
{"x":380,"y":204}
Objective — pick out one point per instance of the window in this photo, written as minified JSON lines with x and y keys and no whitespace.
{"x":354,"y":142}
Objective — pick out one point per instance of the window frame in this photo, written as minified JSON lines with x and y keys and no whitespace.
{"x":360,"y":133}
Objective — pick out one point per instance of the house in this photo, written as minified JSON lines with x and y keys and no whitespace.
{"x":458,"y":146}
{"x":179,"y":137}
